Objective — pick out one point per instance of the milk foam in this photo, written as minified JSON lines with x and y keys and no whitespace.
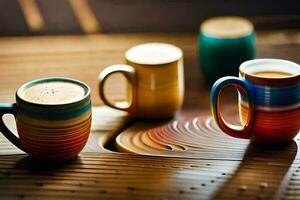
{"x":53,"y":92}
{"x":153,"y":53}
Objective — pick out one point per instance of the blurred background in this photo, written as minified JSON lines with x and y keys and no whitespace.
{"x":60,"y":17}
{"x":81,"y":52}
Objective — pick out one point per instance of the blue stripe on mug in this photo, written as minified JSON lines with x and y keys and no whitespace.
{"x":274,"y":96}
{"x":56,"y":115}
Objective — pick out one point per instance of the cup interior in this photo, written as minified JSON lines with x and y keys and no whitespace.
{"x":74,"y":91}
{"x":252,"y":67}
{"x":153,"y":54}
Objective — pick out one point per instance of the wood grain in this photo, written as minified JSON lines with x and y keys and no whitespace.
{"x":119,"y":176}
{"x":98,"y":173}
{"x":83,"y":57}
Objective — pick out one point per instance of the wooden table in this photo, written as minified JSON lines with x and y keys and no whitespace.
{"x":102,"y":174}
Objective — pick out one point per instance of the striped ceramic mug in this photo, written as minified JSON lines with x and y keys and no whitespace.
{"x":269,"y":101}
{"x":53,"y":117}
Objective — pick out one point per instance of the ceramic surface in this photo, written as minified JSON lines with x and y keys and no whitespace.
{"x":50,"y":132}
{"x":269,"y":107}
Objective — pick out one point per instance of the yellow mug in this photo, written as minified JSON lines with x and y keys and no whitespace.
{"x":155,"y":73}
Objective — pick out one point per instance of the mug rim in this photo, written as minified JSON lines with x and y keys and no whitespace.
{"x":41,"y":80}
{"x":154,"y":63}
{"x":293,"y":78}
{"x":204,"y":27}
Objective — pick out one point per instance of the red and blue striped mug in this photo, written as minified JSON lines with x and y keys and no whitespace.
{"x":53,"y":117}
{"x":269,"y":101}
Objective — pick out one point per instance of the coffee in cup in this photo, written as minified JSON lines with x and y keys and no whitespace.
{"x":269,"y":101}
{"x":271,"y":74}
{"x":53,"y":92}
{"x":53,"y":117}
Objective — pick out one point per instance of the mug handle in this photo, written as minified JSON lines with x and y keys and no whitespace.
{"x":230,"y":129}
{"x":130,"y":74}
{"x":9,"y":108}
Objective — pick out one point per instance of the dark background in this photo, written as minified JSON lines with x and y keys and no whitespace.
{"x":148,"y":15}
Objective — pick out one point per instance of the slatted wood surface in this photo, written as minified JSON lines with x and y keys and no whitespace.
{"x":83,"y":57}
{"x":257,"y":173}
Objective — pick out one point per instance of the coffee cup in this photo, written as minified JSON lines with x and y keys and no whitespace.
{"x":269,"y":101}
{"x":155,"y":73}
{"x":53,"y":118}
{"x":224,"y":43}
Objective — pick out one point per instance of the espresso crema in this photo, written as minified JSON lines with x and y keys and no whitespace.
{"x":53,"y":92}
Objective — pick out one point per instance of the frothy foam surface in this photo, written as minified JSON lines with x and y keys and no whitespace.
{"x":153,"y":53}
{"x":227,"y":27}
{"x":53,"y":92}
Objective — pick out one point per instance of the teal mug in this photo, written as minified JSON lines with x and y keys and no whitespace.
{"x":224,"y":43}
{"x":53,"y":117}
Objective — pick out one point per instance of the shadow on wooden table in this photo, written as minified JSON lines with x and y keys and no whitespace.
{"x":31,"y":164}
{"x":109,"y":176}
{"x":260,"y":173}
{"x":31,"y":178}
